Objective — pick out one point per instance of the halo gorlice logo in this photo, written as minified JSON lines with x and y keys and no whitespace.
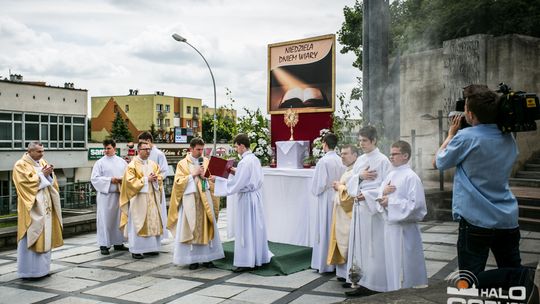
{"x":462,"y":289}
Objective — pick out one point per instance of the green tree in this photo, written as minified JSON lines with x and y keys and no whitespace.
{"x":226,"y":126}
{"x":120,"y":131}
{"x":417,"y":25}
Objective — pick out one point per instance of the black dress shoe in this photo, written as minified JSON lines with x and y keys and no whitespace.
{"x":33,"y":279}
{"x":361,"y":292}
{"x":193,"y":266}
{"x":242,"y":269}
{"x":346,"y":285}
{"x":208,"y":264}
{"x":121,"y":247}
{"x":137,"y":256}
{"x":104,"y":250}
{"x":341,"y":279}
{"x":151,"y":253}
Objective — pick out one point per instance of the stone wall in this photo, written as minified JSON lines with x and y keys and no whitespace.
{"x":433,"y":80}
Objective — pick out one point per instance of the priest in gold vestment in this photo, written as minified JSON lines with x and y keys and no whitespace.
{"x":341,"y":218}
{"x":140,"y":199}
{"x":39,"y":216}
{"x":193,"y":212}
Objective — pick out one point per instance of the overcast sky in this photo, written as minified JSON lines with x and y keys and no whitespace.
{"x":109,"y":47}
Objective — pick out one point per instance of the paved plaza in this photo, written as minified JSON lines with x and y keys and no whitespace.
{"x":80,"y":274}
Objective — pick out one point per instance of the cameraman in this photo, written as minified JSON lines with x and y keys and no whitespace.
{"x":482,"y":201}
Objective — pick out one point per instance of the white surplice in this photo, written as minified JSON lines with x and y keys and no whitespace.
{"x":31,"y":264}
{"x":366,"y":241}
{"x":328,"y":170}
{"x":107,"y":201}
{"x":159,"y":158}
{"x":405,"y":263}
{"x":251,"y":242}
{"x":185,"y":254}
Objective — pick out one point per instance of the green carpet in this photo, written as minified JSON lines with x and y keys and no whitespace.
{"x":287,"y":259}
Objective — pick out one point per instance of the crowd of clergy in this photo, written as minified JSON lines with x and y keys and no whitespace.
{"x":368,"y":208}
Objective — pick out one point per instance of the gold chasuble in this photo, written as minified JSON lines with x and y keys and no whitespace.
{"x":341,"y":220}
{"x":143,"y":207}
{"x":197,"y":221}
{"x":38,"y":211}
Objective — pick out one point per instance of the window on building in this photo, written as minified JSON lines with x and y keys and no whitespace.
{"x":195,"y":124}
{"x":159,"y":107}
{"x":196,"y":110}
{"x":167,"y":122}
{"x":168,"y":108}
{"x":126,"y":108}
{"x":188,"y":123}
{"x":158,"y":122}
{"x":188,"y":110}
{"x":54,"y":132}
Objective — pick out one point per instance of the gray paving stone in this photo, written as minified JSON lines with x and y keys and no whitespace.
{"x":436,"y":255}
{"x":7,"y":268}
{"x":110,"y":262}
{"x":2,"y":261}
{"x":195,"y":298}
{"x":76,"y":250}
{"x":450,"y":248}
{"x":113,"y":290}
{"x":310,"y":299}
{"x":159,"y":291}
{"x":137,"y":265}
{"x":200,"y":273}
{"x":332,"y":286}
{"x":439,"y":238}
{"x":294,"y":280}
{"x":76,"y":300}
{"x":8,"y":277}
{"x":83,"y":258}
{"x":442,"y":229}
{"x":221,"y":291}
{"x":529,"y":245}
{"x":433,"y":267}
{"x":260,"y":295}
{"x":22,"y":296}
{"x":61,"y":283}
{"x":99,"y":275}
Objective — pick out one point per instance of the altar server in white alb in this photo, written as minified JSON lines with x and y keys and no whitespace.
{"x":328,"y":170}
{"x":39,"y":216}
{"x":106,"y":178}
{"x":367,"y":223}
{"x":402,"y":197}
{"x":251,"y":242}
{"x":193,"y":212}
{"x":157,"y":156}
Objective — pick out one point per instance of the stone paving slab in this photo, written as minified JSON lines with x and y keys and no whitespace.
{"x":80,"y":274}
{"x":259,"y":295}
{"x":21,"y":296}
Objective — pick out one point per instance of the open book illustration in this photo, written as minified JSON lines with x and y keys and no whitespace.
{"x":301,"y":98}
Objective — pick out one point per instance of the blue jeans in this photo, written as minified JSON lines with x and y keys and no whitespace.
{"x":475,"y":242}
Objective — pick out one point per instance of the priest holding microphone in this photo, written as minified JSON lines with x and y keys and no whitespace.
{"x":193,"y":212}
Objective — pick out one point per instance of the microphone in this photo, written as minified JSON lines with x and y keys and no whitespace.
{"x":203,"y":181}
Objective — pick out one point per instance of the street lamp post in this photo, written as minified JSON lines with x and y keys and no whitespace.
{"x":214,"y":123}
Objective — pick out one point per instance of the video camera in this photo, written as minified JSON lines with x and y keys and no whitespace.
{"x":517,"y":111}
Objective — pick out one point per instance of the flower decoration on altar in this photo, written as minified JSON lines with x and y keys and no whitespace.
{"x":255,"y":125}
{"x":317,"y":147}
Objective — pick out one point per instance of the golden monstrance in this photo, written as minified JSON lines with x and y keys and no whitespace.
{"x":291,"y":119}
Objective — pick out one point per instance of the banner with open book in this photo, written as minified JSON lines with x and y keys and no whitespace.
{"x":301,"y":75}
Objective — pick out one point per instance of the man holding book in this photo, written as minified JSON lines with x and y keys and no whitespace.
{"x":193,"y":212}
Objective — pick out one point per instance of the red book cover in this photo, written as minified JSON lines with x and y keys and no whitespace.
{"x":219,"y":167}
